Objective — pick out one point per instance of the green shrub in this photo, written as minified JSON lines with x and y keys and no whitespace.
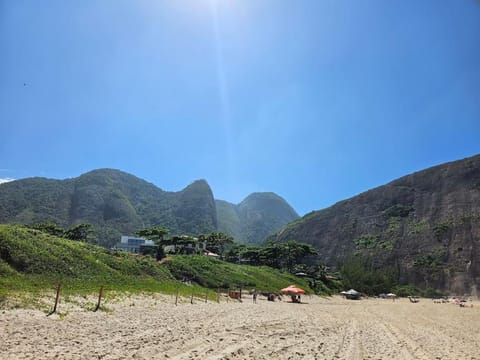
{"x":432,"y":293}
{"x":405,"y":290}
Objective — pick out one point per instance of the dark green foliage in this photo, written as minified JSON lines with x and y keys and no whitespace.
{"x":398,"y":210}
{"x":285,"y":255}
{"x":152,"y":251}
{"x":156,"y":234}
{"x":372,"y":242}
{"x":217,"y":242}
{"x":360,"y":274}
{"x":432,"y":293}
{"x":48,"y":228}
{"x":249,"y":254}
{"x":228,"y":219}
{"x":255,"y":218}
{"x":406,"y":290}
{"x":32,"y":260}
{"x":433,"y":260}
{"x":215,"y":273}
{"x":184,"y":244}
{"x":80,"y":232}
{"x":117,"y":203}
{"x":32,"y":252}
{"x":440,"y":229}
{"x":5,"y":268}
{"x":114,"y":202}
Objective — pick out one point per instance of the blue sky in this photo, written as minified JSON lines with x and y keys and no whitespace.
{"x":314,"y":100}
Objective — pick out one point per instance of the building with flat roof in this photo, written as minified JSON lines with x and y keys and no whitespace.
{"x":132,"y":244}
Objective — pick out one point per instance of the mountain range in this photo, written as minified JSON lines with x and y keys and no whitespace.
{"x":425,"y":226}
{"x":118,"y":203}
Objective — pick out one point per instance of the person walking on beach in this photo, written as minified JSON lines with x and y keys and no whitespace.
{"x":255,"y":296}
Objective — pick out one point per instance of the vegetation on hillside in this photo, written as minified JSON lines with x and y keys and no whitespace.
{"x":117,"y":203}
{"x":33,"y":261}
{"x":256,"y":217}
{"x":213,"y":273}
{"x":114,"y":202}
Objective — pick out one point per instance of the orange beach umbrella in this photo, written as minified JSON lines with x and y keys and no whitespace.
{"x":292,"y":290}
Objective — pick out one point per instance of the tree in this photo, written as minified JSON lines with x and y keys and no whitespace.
{"x":234,"y":253}
{"x":293,"y":252}
{"x":81,"y":232}
{"x":360,"y":273}
{"x":155,"y":233}
{"x":49,"y":228}
{"x":217,"y":242}
{"x":253,"y":254}
{"x":184,"y":244}
{"x":286,"y":255}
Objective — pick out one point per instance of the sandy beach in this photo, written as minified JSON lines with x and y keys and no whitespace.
{"x":149,"y":327}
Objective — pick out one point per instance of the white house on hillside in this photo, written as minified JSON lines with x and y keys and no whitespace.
{"x":132,"y":244}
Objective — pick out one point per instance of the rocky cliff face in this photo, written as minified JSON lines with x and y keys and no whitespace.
{"x":426,"y":225}
{"x":256,"y":217}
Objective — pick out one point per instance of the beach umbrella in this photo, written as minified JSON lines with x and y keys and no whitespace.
{"x":352,"y":292}
{"x":292,"y":290}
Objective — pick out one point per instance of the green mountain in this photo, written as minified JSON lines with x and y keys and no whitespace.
{"x":118,"y":203}
{"x":255,"y":218}
{"x":114,"y":202}
{"x":425,"y":226}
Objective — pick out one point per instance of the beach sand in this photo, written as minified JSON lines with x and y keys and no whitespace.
{"x":152,"y":327}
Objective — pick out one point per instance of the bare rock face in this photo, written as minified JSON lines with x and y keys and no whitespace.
{"x":426,"y":225}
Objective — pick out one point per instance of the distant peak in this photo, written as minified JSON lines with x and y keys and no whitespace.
{"x":200,"y":184}
{"x":105,"y":171}
{"x":263,"y":196}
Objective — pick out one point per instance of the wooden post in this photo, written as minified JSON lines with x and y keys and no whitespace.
{"x":191,"y":299}
{"x":100,"y":293}
{"x":56,"y":300}
{"x":176,"y":297}
{"x":206,"y":296}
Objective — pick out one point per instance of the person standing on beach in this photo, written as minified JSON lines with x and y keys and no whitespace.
{"x":255,"y":296}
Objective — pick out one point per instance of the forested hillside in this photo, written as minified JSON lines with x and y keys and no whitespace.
{"x":117,"y":203}
{"x":114,"y":202}
{"x":255,"y":218}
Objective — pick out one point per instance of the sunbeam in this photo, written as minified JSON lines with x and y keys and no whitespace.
{"x":225,"y":112}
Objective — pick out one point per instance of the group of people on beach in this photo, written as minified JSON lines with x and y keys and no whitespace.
{"x":271,"y":297}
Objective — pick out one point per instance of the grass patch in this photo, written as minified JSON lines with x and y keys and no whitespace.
{"x":213,"y":273}
{"x":32,"y":263}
